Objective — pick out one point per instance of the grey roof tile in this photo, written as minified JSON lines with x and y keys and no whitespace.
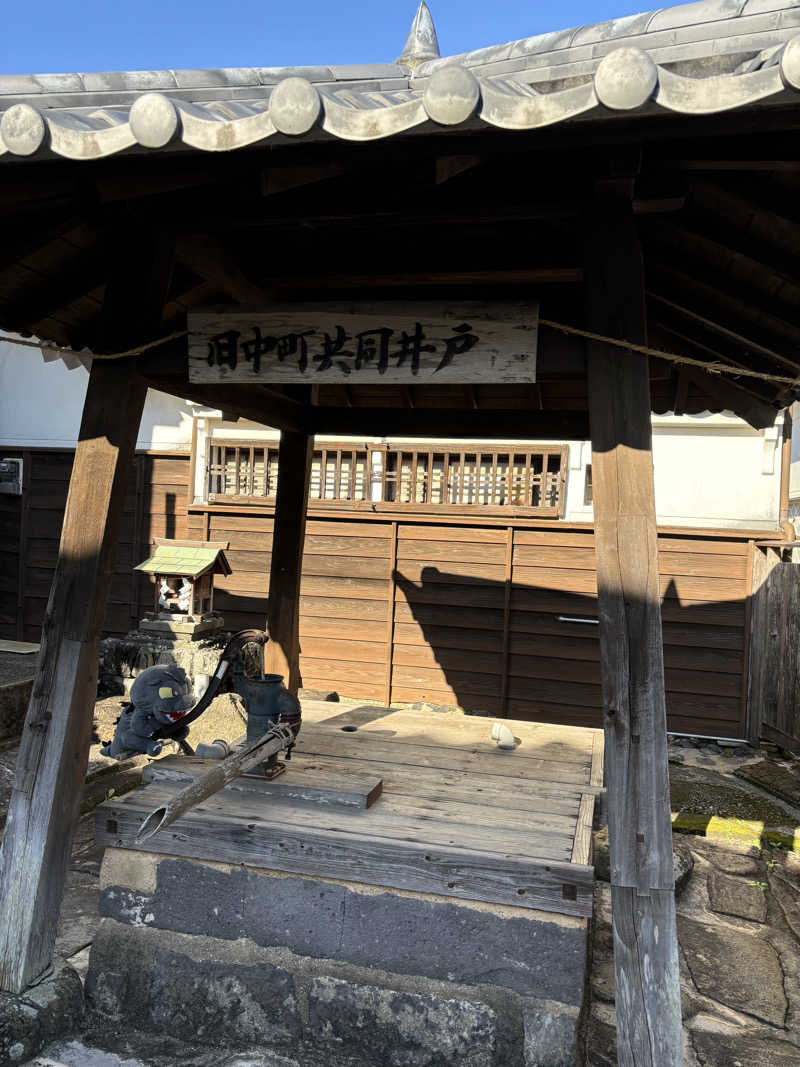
{"x":368,"y":71}
{"x":223,"y":76}
{"x":270,"y":75}
{"x":694,"y":14}
{"x":226,"y":108}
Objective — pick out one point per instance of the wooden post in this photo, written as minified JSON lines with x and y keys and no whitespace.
{"x":55,"y":743}
{"x":643,"y":903}
{"x":288,"y":535}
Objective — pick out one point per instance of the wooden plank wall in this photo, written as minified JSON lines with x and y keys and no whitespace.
{"x":471,"y":616}
{"x":10,"y":556}
{"x":155,"y":507}
{"x":775,"y":650}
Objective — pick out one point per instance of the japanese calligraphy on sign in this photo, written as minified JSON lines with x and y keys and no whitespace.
{"x":319,"y":347}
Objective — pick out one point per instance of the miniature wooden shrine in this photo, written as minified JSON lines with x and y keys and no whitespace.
{"x":183,"y":573}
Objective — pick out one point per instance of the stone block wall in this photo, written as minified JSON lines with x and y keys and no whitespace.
{"x":219,"y":953}
{"x":122,"y":658}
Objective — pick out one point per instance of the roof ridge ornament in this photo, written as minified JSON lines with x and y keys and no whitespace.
{"x":422,"y":43}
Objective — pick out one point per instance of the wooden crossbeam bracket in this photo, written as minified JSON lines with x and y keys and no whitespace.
{"x":207,"y":257}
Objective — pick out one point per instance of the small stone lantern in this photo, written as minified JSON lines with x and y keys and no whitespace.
{"x":184,"y":587}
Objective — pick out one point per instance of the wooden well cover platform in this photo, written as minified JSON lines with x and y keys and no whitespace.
{"x":457,"y":817}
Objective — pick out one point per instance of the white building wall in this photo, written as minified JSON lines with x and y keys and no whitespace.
{"x":41,"y":405}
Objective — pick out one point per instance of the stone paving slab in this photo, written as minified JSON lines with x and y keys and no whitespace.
{"x":45,"y":1012}
{"x":739,"y":970}
{"x":742,"y":897}
{"x":77,"y":1054}
{"x":714,"y":1049}
{"x":773,"y":777}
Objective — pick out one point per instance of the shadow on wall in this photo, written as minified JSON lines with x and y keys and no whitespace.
{"x":529,"y":652}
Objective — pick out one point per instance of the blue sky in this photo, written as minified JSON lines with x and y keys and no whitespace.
{"x":40,"y":36}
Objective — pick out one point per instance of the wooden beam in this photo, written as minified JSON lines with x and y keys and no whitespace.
{"x":726,"y":300}
{"x":449,"y":167}
{"x":648,"y":1006}
{"x":256,"y":403}
{"x":166,"y":369}
{"x":25,"y":240}
{"x":55,"y":743}
{"x":723,"y":255}
{"x":376,"y":218}
{"x":50,"y":293}
{"x":710,"y":165}
{"x":723,"y":331}
{"x":523,"y":276}
{"x":56,"y":736}
{"x":275,"y":180}
{"x":209,"y":259}
{"x":761,"y":233}
{"x":515,"y":424}
{"x":288,"y":534}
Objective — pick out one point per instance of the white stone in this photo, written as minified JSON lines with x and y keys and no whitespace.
{"x":452,"y":95}
{"x":625,"y":79}
{"x":295,"y":106}
{"x":153,"y":120}
{"x":23,"y":129}
{"x":790,"y":63}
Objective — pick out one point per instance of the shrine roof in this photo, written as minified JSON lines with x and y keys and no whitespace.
{"x":697,"y":58}
{"x":182,"y":559}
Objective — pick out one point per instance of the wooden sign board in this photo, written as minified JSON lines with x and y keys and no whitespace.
{"x":408,"y":344}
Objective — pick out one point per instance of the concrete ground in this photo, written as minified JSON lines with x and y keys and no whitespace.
{"x":739,"y":926}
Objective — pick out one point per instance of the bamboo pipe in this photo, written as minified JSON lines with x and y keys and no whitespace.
{"x":277,"y":739}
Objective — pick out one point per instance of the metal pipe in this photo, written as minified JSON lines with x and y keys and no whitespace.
{"x":278,"y":739}
{"x":786,"y":471}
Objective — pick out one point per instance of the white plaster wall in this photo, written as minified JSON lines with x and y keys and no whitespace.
{"x":41,"y":405}
{"x":709,"y":470}
{"x":794,"y":480}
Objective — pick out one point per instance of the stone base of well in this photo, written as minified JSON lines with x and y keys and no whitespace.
{"x":122,"y":658}
{"x":226,"y":954}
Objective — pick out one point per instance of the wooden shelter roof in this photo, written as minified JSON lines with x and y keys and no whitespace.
{"x":181,"y":557}
{"x":698,"y":58}
{"x":373,"y":200}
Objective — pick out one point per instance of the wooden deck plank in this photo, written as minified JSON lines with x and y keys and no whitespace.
{"x":518,"y":794}
{"x":382,"y":821}
{"x":320,"y":785}
{"x":224,"y":833}
{"x":598,"y":756}
{"x":442,"y":806}
{"x":582,"y":847}
{"x":466,"y":732}
{"x":495,"y":762}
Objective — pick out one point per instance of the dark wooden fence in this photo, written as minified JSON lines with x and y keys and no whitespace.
{"x":31,"y":528}
{"x":493,"y":612}
{"x":775,"y":649}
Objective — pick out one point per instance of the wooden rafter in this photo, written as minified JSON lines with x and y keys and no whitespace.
{"x":722,"y":308}
{"x":208,"y":258}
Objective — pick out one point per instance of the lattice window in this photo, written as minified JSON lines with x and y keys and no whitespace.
{"x":520,"y":480}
